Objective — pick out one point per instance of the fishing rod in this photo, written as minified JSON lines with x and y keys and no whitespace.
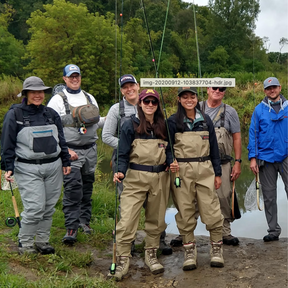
{"x":11,"y":221}
{"x":177,"y":181}
{"x":197,"y":47}
{"x":114,"y":259}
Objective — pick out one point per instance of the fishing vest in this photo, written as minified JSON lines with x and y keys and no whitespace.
{"x":81,"y":116}
{"x":224,"y":138}
{"x":36,"y":143}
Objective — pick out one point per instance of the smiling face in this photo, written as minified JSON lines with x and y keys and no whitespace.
{"x":73,"y":81}
{"x":188,"y":100}
{"x":35,"y":97}
{"x":273,"y":93}
{"x":149,"y":106}
{"x":131,"y":92}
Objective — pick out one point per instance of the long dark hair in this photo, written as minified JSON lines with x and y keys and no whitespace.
{"x":181,"y":114}
{"x":158,"y":126}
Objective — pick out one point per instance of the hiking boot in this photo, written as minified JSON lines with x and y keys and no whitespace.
{"x":26,"y":249}
{"x":230,"y":240}
{"x":190,"y":258}
{"x":122,"y":267}
{"x":85,"y":228}
{"x":44,"y":248}
{"x":270,"y":237}
{"x":152,"y":262}
{"x":216,"y":253}
{"x":177,"y":242}
{"x":70,"y":237}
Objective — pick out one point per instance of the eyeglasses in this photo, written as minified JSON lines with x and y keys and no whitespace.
{"x":148,"y":101}
{"x":221,"y":89}
{"x":74,"y":76}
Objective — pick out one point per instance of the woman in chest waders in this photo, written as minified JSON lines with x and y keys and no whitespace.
{"x":141,"y":166}
{"x":198,"y":162}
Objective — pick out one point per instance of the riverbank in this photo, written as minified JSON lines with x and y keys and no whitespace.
{"x":252,"y":264}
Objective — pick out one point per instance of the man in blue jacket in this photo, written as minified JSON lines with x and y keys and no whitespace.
{"x":268,"y":149}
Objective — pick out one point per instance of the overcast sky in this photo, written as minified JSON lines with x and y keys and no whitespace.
{"x":272,"y":21}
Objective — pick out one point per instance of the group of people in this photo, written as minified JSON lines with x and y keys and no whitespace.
{"x":45,"y":146}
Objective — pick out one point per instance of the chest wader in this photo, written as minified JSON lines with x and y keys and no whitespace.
{"x":145,"y":179}
{"x":38,"y":172}
{"x":191,"y":150}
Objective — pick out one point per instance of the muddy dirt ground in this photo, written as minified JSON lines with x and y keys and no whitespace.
{"x":252,"y":264}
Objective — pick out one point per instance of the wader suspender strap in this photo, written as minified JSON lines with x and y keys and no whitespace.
{"x":21,"y":115}
{"x":220,"y":114}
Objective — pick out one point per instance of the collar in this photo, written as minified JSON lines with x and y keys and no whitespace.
{"x":71,"y":91}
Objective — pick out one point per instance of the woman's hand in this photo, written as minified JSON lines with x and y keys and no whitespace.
{"x":118,"y":177}
{"x":8,"y":175}
{"x":217,"y":182}
{"x":66,"y":170}
{"x":174,"y":166}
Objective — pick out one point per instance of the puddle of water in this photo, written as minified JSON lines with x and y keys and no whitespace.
{"x":252,"y":223}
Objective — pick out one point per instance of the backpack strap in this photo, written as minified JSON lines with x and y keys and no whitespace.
{"x":122,"y":112}
{"x":87,"y":96}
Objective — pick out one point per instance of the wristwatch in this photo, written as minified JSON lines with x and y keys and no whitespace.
{"x":238,"y":160}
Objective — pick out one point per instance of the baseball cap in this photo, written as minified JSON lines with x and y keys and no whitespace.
{"x":127,"y":78}
{"x":271,"y":81}
{"x":34,"y":83}
{"x":70,"y":69}
{"x":187,"y":89}
{"x":149,"y":92}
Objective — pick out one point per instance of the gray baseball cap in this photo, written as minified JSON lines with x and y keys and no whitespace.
{"x":34,"y":83}
{"x":187,"y":89}
{"x":271,"y":81}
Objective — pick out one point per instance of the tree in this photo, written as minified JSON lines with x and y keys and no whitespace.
{"x":282,"y":42}
{"x":11,"y":49}
{"x":67,"y":33}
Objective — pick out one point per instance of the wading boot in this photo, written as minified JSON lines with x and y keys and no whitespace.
{"x":44,"y":248}
{"x":190,"y":258}
{"x":177,"y":242}
{"x":26,"y":249}
{"x":163,"y":247}
{"x":216,"y":253}
{"x":85,"y":228}
{"x":70,"y":237}
{"x":122,"y":268}
{"x":152,"y":262}
{"x":230,"y":240}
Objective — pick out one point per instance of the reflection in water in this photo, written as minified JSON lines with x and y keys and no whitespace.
{"x":252,"y":223}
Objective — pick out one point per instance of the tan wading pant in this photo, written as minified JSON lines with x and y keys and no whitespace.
{"x":139,"y":185}
{"x":225,"y":194}
{"x":197,"y":184}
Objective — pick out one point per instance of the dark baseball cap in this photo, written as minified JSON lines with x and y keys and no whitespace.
{"x":127,"y":78}
{"x":187,"y":89}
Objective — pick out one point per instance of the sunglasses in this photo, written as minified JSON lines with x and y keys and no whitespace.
{"x":148,"y":101}
{"x":221,"y":89}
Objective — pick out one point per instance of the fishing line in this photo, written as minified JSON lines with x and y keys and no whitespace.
{"x":177,"y":179}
